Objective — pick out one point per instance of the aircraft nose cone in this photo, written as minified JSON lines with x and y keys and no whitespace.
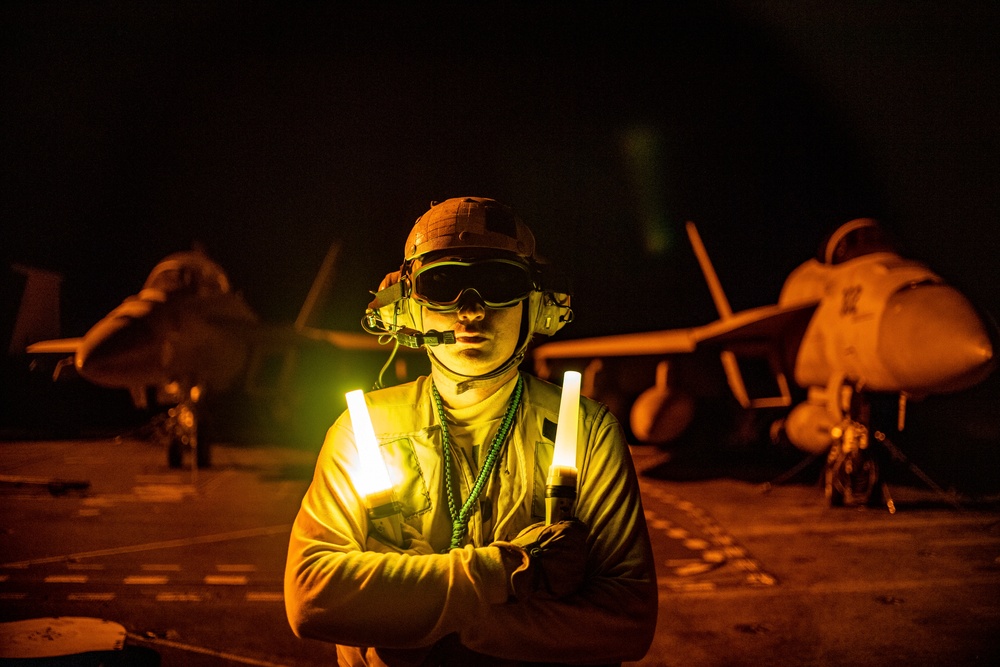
{"x":932,"y":339}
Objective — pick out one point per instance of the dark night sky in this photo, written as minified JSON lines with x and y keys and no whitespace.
{"x":267,"y":130}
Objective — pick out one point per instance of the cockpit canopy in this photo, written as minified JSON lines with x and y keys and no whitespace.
{"x":853,"y":239}
{"x":191,"y":272}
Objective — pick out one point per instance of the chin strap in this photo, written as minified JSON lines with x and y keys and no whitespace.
{"x":463,"y":383}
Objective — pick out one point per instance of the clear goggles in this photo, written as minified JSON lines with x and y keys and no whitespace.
{"x":499,"y":283}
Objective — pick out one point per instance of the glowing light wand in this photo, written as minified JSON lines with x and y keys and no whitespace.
{"x":374,"y":483}
{"x":560,"y":489}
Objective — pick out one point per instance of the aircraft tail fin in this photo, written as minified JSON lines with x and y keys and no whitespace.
{"x":38,"y":314}
{"x":730,"y":363}
{"x":320,"y":288}
{"x":714,"y":286}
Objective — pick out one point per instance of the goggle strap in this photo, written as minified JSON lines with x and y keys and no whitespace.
{"x":389,"y":295}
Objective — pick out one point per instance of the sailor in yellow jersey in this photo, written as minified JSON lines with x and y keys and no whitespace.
{"x":479,"y":578}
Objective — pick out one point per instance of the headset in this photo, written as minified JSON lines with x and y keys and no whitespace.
{"x":394,"y":313}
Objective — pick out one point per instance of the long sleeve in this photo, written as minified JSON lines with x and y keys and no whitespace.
{"x":614,"y":617}
{"x":343,"y":587}
{"x":337,"y":591}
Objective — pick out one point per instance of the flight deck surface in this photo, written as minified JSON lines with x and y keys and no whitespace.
{"x":190,"y":563}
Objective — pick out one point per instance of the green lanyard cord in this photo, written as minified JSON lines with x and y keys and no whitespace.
{"x":460,"y":518}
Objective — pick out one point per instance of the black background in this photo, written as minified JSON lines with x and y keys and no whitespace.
{"x":268,"y":130}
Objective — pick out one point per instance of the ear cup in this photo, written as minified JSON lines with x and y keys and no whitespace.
{"x":550,"y":312}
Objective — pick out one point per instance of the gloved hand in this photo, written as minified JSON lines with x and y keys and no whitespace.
{"x":413,"y":543}
{"x":546,"y":560}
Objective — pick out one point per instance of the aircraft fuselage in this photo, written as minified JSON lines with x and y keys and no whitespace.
{"x":887,"y":324}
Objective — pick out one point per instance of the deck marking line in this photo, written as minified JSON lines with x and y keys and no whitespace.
{"x":90,"y":597}
{"x":149,"y":580}
{"x":152,"y":546}
{"x":225,"y":580}
{"x":264,"y":596}
{"x":178,"y":597}
{"x":66,"y":579}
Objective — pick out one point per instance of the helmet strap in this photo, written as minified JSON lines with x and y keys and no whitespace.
{"x":463,"y":382}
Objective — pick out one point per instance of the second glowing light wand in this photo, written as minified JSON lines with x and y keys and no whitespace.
{"x":374,"y":483}
{"x":560,"y":488}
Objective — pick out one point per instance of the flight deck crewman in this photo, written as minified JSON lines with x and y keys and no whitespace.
{"x":479,"y":579}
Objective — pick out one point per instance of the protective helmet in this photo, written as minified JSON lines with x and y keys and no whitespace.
{"x":462,"y":232}
{"x":467,"y":223}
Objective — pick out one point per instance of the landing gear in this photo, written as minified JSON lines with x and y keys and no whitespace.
{"x":857,"y":456}
{"x":178,"y":431}
{"x":853,"y":466}
{"x":852,"y":473}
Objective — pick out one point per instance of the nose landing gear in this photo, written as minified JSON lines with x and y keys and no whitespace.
{"x":852,"y":472}
{"x":178,"y":431}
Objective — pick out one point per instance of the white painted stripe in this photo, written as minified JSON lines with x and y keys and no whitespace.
{"x":762,"y":579}
{"x":163,"y":493}
{"x":696,"y":544}
{"x":90,"y":597}
{"x":695,"y":568}
{"x":13,"y":596}
{"x":225,"y":580}
{"x":684,"y":587}
{"x":151,"y":546}
{"x":66,"y":579}
{"x":150,"y":580}
{"x":178,"y":597}
{"x":4,"y":577}
{"x":161,"y":567}
{"x":84,"y":566}
{"x":265,"y":597}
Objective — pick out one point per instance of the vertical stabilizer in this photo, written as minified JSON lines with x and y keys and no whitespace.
{"x":730,"y":363}
{"x":714,"y":286}
{"x":320,"y":289}
{"x":38,"y":314}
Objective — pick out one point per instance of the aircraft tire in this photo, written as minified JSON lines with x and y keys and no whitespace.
{"x":203,"y":454}
{"x":851,"y":479}
{"x":175,"y":453}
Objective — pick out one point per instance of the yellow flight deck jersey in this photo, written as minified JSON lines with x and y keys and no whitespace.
{"x":383,"y":605}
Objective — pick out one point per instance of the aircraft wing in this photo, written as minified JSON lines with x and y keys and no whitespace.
{"x":766,"y":328}
{"x":345,"y":340}
{"x":756,"y":324}
{"x":56,"y":346}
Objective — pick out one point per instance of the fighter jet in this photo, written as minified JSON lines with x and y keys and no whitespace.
{"x":857,"y":321}
{"x":187,"y":334}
